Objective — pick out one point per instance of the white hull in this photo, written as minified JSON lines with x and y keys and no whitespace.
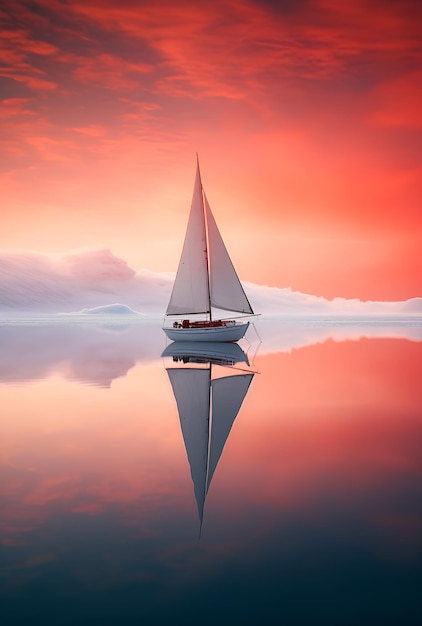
{"x":219,"y":333}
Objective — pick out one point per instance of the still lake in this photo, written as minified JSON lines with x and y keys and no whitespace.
{"x":314,"y":508}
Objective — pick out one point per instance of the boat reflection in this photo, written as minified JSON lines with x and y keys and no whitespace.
{"x":206,"y":352}
{"x":207,"y":405}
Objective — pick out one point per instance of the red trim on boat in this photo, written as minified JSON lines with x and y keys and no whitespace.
{"x":203,"y":324}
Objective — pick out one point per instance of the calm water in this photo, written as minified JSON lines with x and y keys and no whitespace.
{"x":314,"y":511}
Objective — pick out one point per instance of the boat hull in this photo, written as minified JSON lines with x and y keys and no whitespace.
{"x":218,"y":333}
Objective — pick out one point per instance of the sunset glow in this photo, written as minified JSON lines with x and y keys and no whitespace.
{"x":306,"y":116}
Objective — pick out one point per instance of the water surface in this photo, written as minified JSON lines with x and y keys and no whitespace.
{"x":313,"y":513}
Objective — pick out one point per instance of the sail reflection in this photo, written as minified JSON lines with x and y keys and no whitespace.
{"x":207,"y":406}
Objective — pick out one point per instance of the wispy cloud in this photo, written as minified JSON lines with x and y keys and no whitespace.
{"x":111,"y":72}
{"x":198,"y":44}
{"x":225,"y":49}
{"x":396,"y":102}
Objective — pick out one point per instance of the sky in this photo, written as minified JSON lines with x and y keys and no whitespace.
{"x":306,"y":115}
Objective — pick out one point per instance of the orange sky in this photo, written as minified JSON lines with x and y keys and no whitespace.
{"x":306,"y":115}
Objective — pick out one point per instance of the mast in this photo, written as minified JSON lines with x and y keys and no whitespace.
{"x":207,"y":469}
{"x":209,"y":435}
{"x":207,"y":250}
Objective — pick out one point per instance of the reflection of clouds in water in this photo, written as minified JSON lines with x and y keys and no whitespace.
{"x":97,"y":354}
{"x":279,"y":335}
{"x":91,"y":354}
{"x":34,"y":283}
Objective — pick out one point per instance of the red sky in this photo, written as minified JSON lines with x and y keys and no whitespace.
{"x":306,"y":115}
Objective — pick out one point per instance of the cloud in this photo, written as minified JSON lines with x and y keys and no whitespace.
{"x":226,"y":49}
{"x":111,"y":72}
{"x":16,"y":49}
{"x":12,"y":108}
{"x":317,"y":40}
{"x":95,"y":355}
{"x":397,"y":103}
{"x":33,"y":283}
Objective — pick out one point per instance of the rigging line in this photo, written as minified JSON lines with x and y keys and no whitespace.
{"x":257,"y":334}
{"x":239,"y":317}
{"x":210,"y":410}
{"x":241,"y":369}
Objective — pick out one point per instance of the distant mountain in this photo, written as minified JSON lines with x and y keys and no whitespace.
{"x":109,"y":309}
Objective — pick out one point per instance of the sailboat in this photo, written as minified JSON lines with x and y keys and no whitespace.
{"x":205,"y":280}
{"x":207,"y":409}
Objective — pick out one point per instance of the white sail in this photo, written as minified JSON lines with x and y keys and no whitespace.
{"x":226,"y":290}
{"x":205,"y":277}
{"x":191,"y":287}
{"x":205,"y":435}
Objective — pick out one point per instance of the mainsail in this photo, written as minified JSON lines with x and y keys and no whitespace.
{"x":205,"y":277}
{"x":191,"y":287}
{"x":207,"y":409}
